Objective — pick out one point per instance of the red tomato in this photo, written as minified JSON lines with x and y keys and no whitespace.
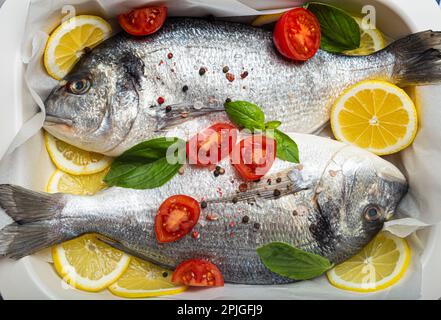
{"x":198,"y":273}
{"x":144,"y":21}
{"x":297,"y":34}
{"x":212,"y":145}
{"x":254,"y":157}
{"x":176,"y":217}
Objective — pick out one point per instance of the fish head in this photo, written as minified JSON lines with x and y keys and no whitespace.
{"x":95,"y":106}
{"x":360,"y":192}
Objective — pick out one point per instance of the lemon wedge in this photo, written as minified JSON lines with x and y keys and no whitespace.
{"x":74,"y":160}
{"x":89,"y":264}
{"x":266,"y":19}
{"x":69,"y":41}
{"x":382,"y":263}
{"x":371,"y":41}
{"x":62,"y":182}
{"x":375,"y":115}
{"x":143,"y":279}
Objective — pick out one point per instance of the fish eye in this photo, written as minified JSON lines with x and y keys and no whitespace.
{"x":79,"y":87}
{"x":372,"y":213}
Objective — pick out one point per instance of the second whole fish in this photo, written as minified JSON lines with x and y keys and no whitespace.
{"x":332,"y":204}
{"x":128,"y":90}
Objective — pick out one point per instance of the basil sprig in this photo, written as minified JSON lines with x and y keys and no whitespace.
{"x":288,"y":261}
{"x":146,"y":166}
{"x":339,"y":30}
{"x":249,"y":116}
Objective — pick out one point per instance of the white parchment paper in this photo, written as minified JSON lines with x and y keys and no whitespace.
{"x":419,"y":207}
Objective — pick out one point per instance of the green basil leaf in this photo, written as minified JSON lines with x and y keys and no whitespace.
{"x":146,"y":166}
{"x":245,"y":115}
{"x":273,"y":124}
{"x":288,"y":261}
{"x":287,"y":149}
{"x":339,"y":30}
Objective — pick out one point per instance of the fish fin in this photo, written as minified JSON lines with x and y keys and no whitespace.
{"x":18,"y":241}
{"x":119,"y":246}
{"x":418,"y":59}
{"x":33,"y":213}
{"x":181,"y":112}
{"x":275,"y":186}
{"x":26,"y":206}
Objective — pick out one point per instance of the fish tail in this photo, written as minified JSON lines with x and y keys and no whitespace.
{"x":33,"y":214}
{"x":418,"y":59}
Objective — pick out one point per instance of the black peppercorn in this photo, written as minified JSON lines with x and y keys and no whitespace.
{"x":245,"y":219}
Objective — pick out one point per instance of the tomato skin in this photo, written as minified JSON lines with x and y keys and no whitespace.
{"x":246,"y":158}
{"x":297,"y":34}
{"x":198,"y":273}
{"x":222,"y":143}
{"x":176,"y":217}
{"x":143,"y":21}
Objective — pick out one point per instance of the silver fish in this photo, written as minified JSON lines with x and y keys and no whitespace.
{"x":104,"y":105}
{"x":332,"y":205}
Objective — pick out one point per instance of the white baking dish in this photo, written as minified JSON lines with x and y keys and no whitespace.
{"x":32,"y":278}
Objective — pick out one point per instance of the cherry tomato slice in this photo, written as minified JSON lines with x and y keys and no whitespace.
{"x":254,"y":156}
{"x":176,"y":217}
{"x":198,"y":273}
{"x":144,"y":21}
{"x":297,"y":34}
{"x":212,"y":145}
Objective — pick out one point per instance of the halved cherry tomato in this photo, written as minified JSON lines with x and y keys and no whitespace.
{"x":254,"y":156}
{"x":144,"y":21}
{"x":212,"y":144}
{"x":176,"y":217}
{"x":198,"y":273}
{"x":297,"y":34}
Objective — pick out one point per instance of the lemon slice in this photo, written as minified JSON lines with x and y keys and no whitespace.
{"x":143,"y":279}
{"x":375,"y":115}
{"x":61,"y":182}
{"x":68,"y":42}
{"x":89,"y":264}
{"x":371,"y":41}
{"x":382,"y":263}
{"x":74,"y":160}
{"x":266,"y":19}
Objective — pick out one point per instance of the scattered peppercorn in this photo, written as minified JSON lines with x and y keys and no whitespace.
{"x":277,"y":193}
{"x":218,"y":168}
{"x":243,"y":187}
{"x":168,"y":109}
{"x":235,"y":200}
{"x":244,"y":74}
{"x":228,"y":100}
{"x":257,"y":226}
{"x":279,"y":180}
{"x":225,"y":69}
{"x":185,"y":88}
{"x":212,"y":217}
{"x":204,"y":204}
{"x":170,"y":55}
{"x":295,"y":213}
{"x":161,"y":100}
{"x":181,"y":171}
{"x":222,"y":171}
{"x":216,"y":174}
{"x":245,"y":219}
{"x":165,"y":274}
{"x":230,"y":77}
{"x":202,"y":71}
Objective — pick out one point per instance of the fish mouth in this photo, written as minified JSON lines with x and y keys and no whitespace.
{"x":51,"y":120}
